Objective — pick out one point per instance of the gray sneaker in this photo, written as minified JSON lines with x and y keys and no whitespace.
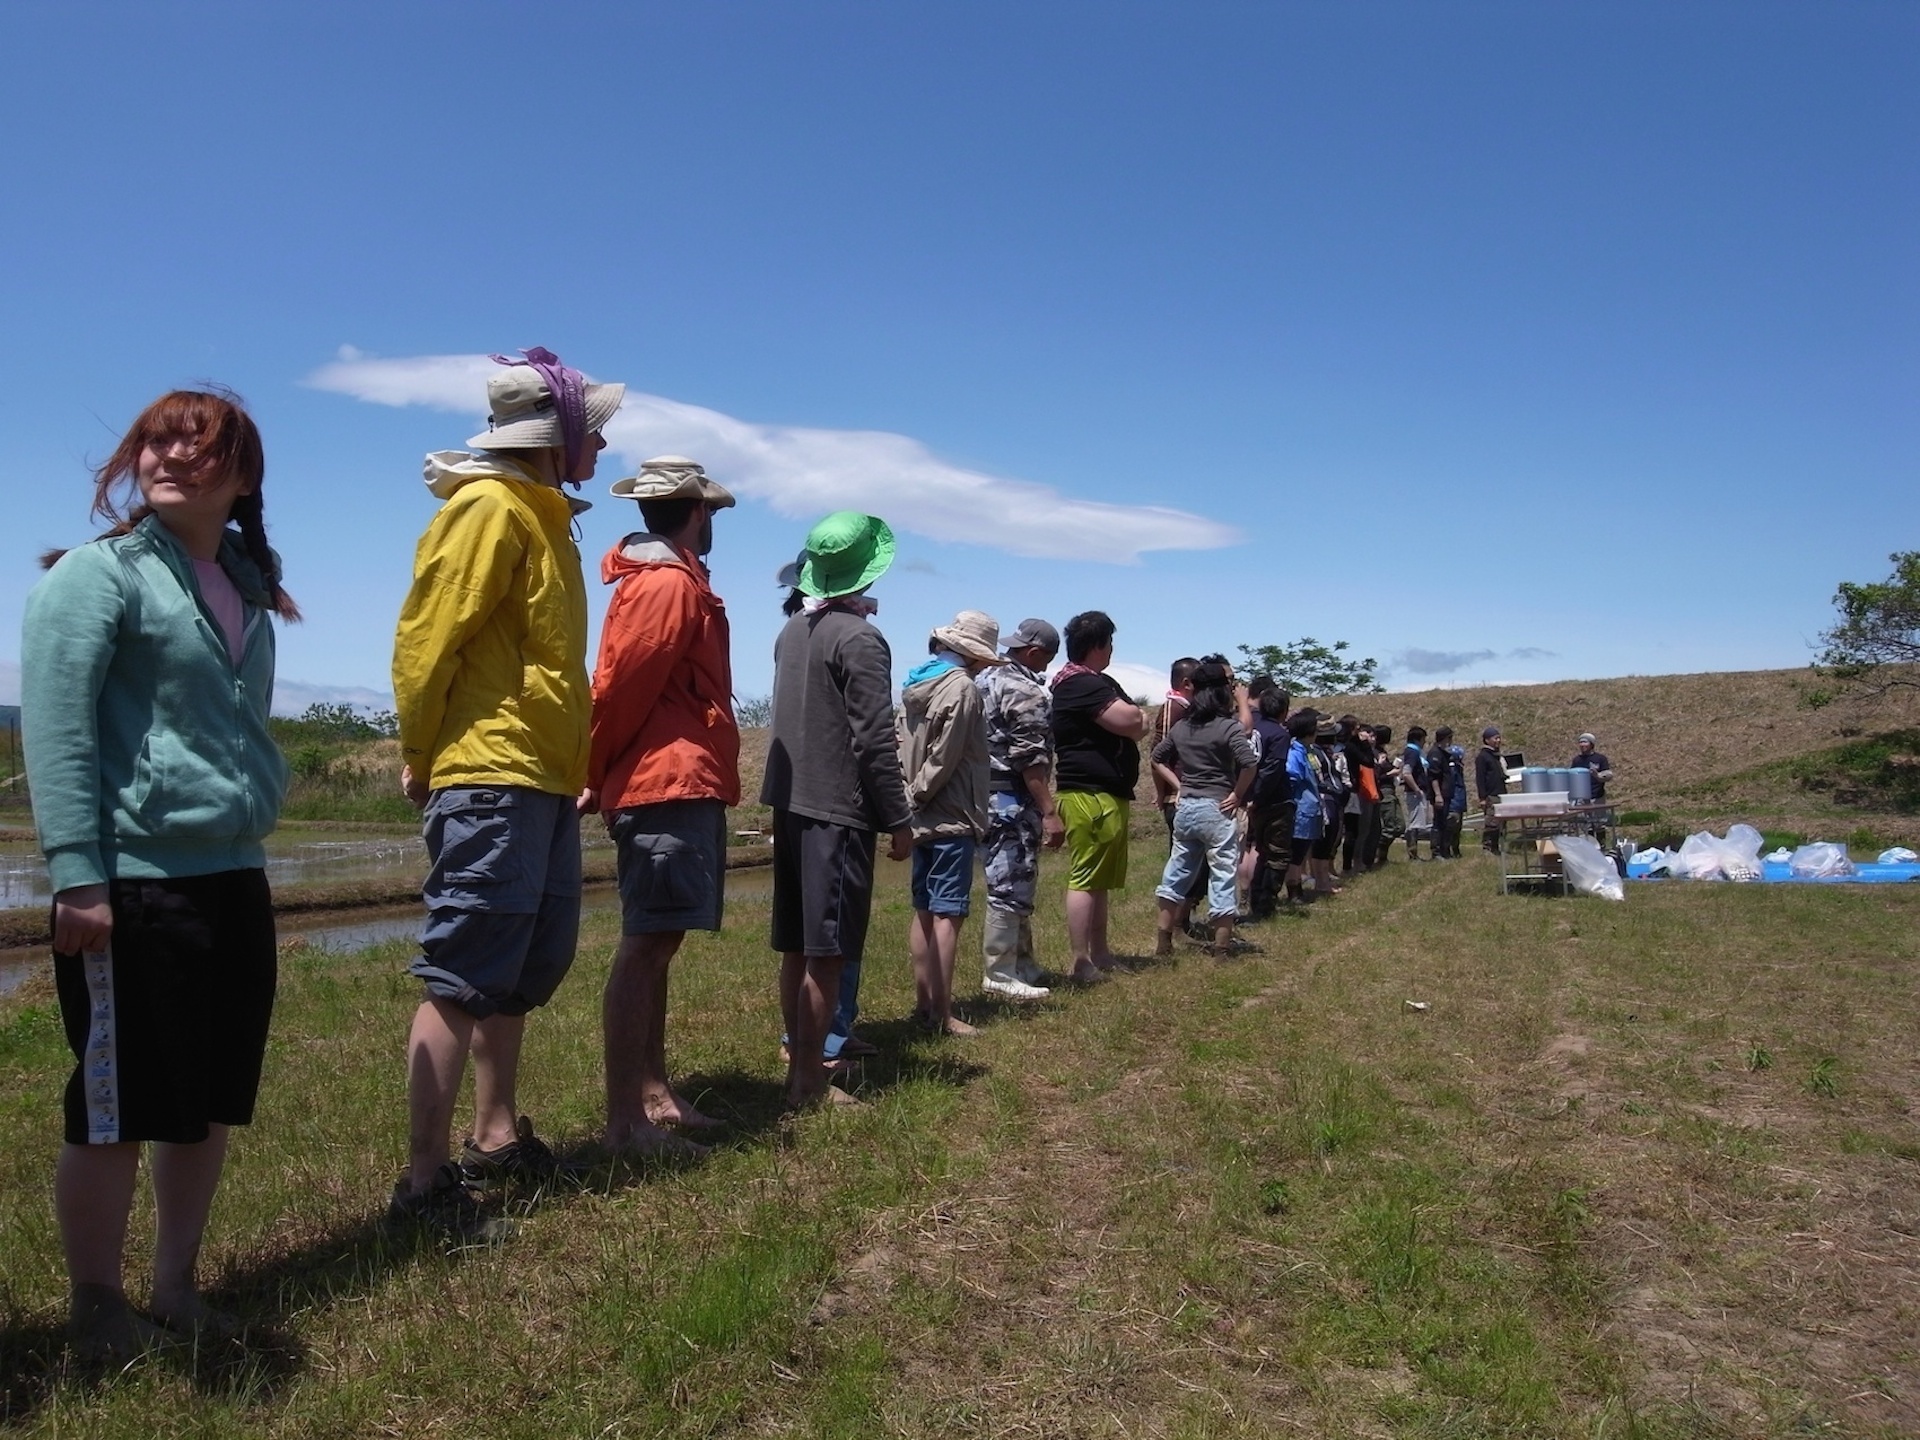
{"x":524,"y":1159}
{"x":447,"y":1207}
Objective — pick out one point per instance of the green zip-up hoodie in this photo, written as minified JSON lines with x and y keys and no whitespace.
{"x":147,"y":744}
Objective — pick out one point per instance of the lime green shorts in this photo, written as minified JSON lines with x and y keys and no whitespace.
{"x":1096,"y":840}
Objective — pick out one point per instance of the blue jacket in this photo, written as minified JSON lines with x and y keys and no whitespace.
{"x":147,"y":746}
{"x":1304,"y":784}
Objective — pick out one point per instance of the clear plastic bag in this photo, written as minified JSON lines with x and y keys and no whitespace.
{"x":1588,"y":868}
{"x":1822,"y":860}
{"x":1743,"y":846}
{"x":1899,"y":855}
{"x":1705,"y":856}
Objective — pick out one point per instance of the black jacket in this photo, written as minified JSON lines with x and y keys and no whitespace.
{"x":1489,"y":773}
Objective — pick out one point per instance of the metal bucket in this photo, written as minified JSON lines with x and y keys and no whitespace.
{"x":1534,"y":780}
{"x":1580,"y":785}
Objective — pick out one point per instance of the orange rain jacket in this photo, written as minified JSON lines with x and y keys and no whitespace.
{"x":663,"y":726}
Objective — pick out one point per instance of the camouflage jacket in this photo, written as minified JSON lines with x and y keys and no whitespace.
{"x":1019,"y":723}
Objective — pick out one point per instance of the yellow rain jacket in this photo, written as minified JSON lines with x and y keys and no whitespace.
{"x":489,"y":663}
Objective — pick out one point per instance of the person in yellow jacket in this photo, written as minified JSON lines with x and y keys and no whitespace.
{"x":490,"y":686}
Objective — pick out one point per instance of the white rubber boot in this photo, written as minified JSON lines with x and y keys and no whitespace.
{"x":1001,"y":944}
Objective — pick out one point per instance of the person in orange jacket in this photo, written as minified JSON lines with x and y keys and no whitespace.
{"x":664,"y":766}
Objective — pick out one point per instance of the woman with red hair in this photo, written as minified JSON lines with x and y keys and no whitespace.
{"x":146,"y":677}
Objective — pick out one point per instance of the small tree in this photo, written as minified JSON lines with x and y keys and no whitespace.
{"x":753,"y":712}
{"x":1879,"y":627}
{"x":1306,"y":667}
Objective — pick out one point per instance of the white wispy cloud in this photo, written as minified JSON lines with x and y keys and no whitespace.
{"x":802,"y":472}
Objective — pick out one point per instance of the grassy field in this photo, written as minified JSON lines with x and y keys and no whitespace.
{"x":1641,"y":1170}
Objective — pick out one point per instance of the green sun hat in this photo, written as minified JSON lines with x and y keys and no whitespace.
{"x":846,"y":552}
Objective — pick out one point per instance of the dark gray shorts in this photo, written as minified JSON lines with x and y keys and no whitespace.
{"x":502,"y":897}
{"x":822,"y":886}
{"x":672,"y":864}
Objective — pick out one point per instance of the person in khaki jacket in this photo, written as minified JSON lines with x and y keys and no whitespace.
{"x":943,"y":756}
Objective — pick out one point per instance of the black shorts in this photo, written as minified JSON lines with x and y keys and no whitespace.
{"x":169,"y":1026}
{"x":1324,"y":847}
{"x":822,"y":886}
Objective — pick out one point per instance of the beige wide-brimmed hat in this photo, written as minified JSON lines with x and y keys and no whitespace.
{"x":672,"y":477}
{"x":521,"y":413}
{"x":974,"y":634}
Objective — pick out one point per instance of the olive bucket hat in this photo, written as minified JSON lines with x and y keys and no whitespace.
{"x":845,"y":553}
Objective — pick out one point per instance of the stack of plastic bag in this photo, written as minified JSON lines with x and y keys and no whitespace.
{"x":1822,"y":860}
{"x":1706,"y":856}
{"x":1588,"y":868}
{"x":1899,"y":855}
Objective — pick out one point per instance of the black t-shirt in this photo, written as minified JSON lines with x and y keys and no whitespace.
{"x":1087,"y":757}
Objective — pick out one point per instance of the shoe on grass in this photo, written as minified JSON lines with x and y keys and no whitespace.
{"x":447,"y":1207}
{"x":524,"y":1159}
{"x":1013,"y":989}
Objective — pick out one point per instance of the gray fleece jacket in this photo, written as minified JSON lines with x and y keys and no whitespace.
{"x":831,"y":754}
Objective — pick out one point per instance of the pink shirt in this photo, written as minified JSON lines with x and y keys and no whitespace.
{"x":223,"y":599}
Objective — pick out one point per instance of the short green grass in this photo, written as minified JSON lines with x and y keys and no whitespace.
{"x":1640,"y":1170}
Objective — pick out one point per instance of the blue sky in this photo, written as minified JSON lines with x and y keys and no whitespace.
{"x":1505,"y":341}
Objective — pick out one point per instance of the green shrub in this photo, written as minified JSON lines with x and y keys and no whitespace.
{"x":1874,"y":771}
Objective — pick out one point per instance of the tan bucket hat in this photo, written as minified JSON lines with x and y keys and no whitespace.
{"x":521,"y":413}
{"x":672,"y":477}
{"x":974,"y":634}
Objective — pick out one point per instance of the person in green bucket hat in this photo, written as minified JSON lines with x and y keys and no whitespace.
{"x":833,"y":780}
{"x":844,"y":554}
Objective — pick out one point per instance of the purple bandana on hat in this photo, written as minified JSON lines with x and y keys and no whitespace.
{"x":569,"y":390}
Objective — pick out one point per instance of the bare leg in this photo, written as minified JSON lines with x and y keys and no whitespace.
{"x":634,"y":1023}
{"x":946,"y":947}
{"x":92,"y":1197}
{"x":184,"y":1180}
{"x":1102,"y":954}
{"x":1222,"y":936}
{"x":436,"y":1057}
{"x":496,"y":1075}
{"x":815,"y":983}
{"x":1167,"y":923}
{"x":1080,"y":920}
{"x":920,"y":946}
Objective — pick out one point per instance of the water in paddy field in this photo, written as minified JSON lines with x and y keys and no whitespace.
{"x":294,"y":857}
{"x":342,"y":932}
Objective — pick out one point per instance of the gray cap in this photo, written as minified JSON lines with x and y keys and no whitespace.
{"x":1037,"y":633}
{"x":1586,"y":737}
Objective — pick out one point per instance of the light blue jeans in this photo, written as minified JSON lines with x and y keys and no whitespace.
{"x":1203,"y":837}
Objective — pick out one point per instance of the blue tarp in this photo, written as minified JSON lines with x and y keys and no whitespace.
{"x":1776,"y":872}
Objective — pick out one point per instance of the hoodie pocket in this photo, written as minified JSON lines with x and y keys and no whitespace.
{"x":144,"y":768}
